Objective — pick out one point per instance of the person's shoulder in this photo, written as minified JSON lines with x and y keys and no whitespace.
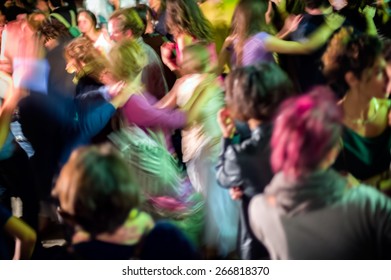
{"x":166,"y":241}
{"x":367,"y":197}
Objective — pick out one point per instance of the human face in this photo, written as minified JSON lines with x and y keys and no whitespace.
{"x":115,"y":30}
{"x":155,"y":4}
{"x":388,"y":70}
{"x":374,"y":80}
{"x":84,"y":23}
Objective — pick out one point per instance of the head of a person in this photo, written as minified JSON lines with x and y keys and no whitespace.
{"x":306,"y":133}
{"x":355,"y":62}
{"x":249,"y":18}
{"x":196,"y":59}
{"x":186,"y":17}
{"x":96,"y":190}
{"x":53,"y":4}
{"x":315,"y":4}
{"x":127,"y":60}
{"x":52,"y":32}
{"x":125,"y":24}
{"x":387,"y":57}
{"x":35,"y":19}
{"x":83,"y":59}
{"x":43,"y":6}
{"x":157,"y":5}
{"x":145,"y":14}
{"x":86,"y":21}
{"x":255,"y":92}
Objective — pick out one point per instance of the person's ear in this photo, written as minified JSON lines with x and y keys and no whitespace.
{"x":351,"y":79}
{"x":129,"y":34}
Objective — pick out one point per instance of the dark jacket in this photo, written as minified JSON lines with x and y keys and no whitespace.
{"x":247,"y":165}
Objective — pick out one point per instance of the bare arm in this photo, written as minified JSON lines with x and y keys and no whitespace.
{"x":316,"y":40}
{"x":25,"y":237}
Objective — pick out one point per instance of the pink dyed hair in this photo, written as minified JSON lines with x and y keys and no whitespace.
{"x":305,"y":130}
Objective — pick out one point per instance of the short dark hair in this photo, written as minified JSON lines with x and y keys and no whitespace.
{"x":256,"y":91}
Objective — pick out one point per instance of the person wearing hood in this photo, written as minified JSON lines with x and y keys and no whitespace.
{"x":309,"y":211}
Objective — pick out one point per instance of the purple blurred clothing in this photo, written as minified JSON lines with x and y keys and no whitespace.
{"x":254,"y":50}
{"x":139,"y":110}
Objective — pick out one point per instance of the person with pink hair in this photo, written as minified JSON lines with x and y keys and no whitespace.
{"x":309,"y":211}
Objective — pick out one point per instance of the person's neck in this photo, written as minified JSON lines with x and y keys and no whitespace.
{"x":93,"y":35}
{"x":355,"y":105}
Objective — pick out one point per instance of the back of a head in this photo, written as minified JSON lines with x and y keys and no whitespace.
{"x":196,"y":59}
{"x":127,"y":59}
{"x":81,"y":49}
{"x":96,"y":189}
{"x":306,"y":129}
{"x":53,"y":29}
{"x":349,"y":52}
{"x":257,"y":91}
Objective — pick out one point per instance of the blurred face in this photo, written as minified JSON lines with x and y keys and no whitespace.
{"x":42,"y":6}
{"x":84,"y":23}
{"x":155,"y":4}
{"x":115,"y":30}
{"x":388,"y":70}
{"x":374,"y":80}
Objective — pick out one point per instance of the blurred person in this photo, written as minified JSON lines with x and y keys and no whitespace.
{"x":308,"y":211}
{"x":127,"y":61}
{"x":88,"y":26}
{"x":126,"y":24}
{"x":199,"y":93}
{"x":251,"y":41}
{"x":154,"y":39}
{"x":97,"y":192}
{"x":86,"y":63}
{"x":253,"y":94}
{"x":355,"y":68}
{"x":187,"y":24}
{"x":55,"y":36}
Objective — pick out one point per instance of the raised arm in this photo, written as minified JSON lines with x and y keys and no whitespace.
{"x":315,"y":41}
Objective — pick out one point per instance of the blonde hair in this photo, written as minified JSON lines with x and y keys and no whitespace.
{"x":127,"y":60}
{"x":89,"y":60}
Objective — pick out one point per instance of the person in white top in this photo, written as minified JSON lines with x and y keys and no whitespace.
{"x":87,"y":23}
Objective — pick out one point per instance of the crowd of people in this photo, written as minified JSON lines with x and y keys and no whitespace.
{"x":185,"y":129}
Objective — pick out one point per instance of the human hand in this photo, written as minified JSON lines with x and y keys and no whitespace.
{"x":236,"y":193}
{"x":166,"y":51}
{"x":292,"y":22}
{"x":369,"y":12}
{"x":116,"y":88}
{"x":226,"y":123}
